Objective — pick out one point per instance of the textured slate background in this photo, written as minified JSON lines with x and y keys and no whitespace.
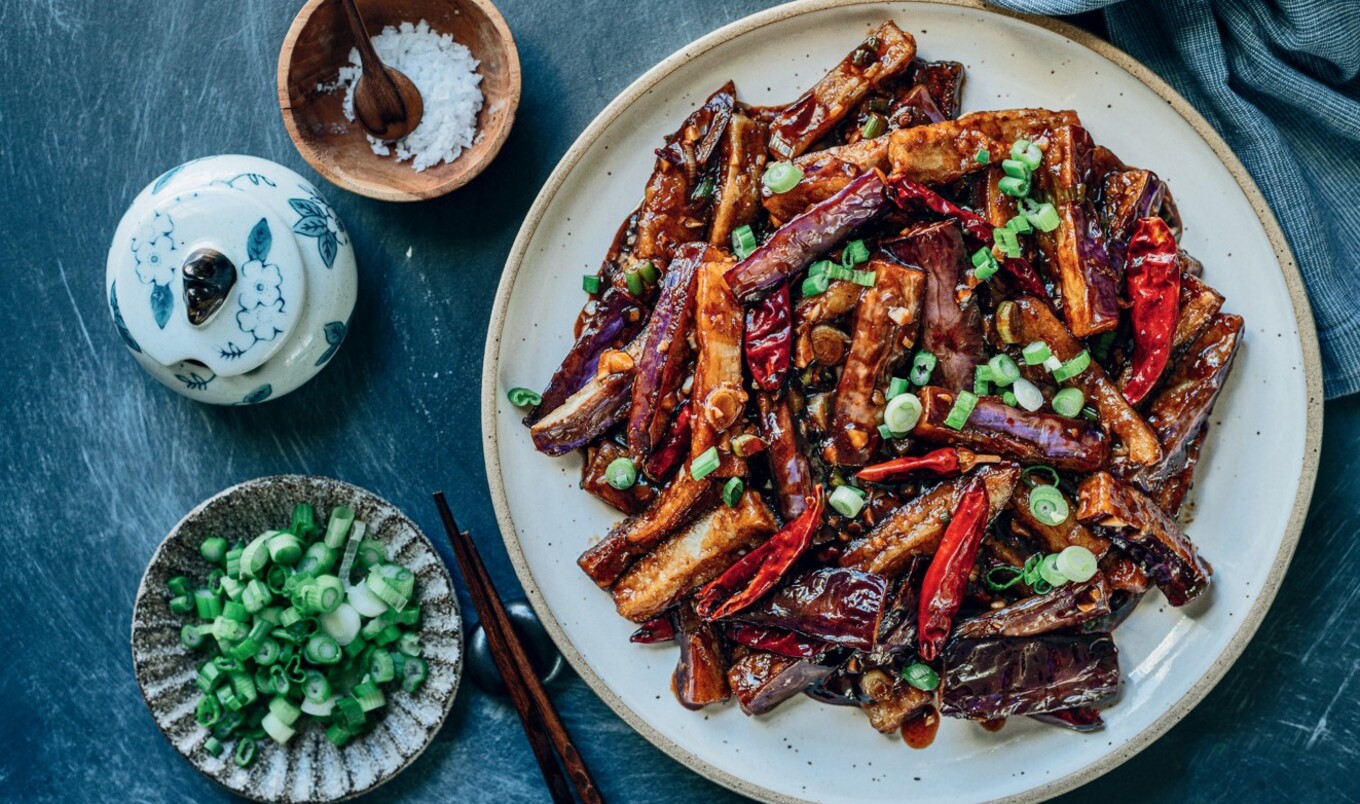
{"x":97,"y":461}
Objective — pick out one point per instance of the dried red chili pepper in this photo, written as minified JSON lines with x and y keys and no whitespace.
{"x":774,"y":640}
{"x":1154,"y":278}
{"x":673,"y":449}
{"x":944,"y":462}
{"x":769,"y":338}
{"x":906,"y":191}
{"x":759,"y":570}
{"x":659,"y":629}
{"x":946,"y":579}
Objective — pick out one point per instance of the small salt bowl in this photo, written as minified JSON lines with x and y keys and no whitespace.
{"x":231,"y":280}
{"x":319,"y":43}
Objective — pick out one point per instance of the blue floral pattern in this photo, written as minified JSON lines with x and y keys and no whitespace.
{"x":258,"y":395}
{"x":118,"y":320}
{"x":335,"y":335}
{"x":260,"y":301}
{"x":153,"y":249}
{"x":318,"y":220}
{"x":195,"y":381}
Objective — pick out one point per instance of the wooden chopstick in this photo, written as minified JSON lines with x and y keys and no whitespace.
{"x":538,"y":716}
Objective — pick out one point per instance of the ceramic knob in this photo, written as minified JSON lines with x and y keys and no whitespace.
{"x":543,"y":654}
{"x":231,"y":280}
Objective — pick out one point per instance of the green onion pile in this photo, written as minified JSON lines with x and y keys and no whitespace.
{"x":286,"y":631}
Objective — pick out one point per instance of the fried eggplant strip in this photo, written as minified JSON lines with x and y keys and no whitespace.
{"x":692,"y":557}
{"x":839,"y":298}
{"x":761,"y":680}
{"x":594,"y":478}
{"x":826,"y":173}
{"x":615,"y":321}
{"x":789,"y":467}
{"x":1065,"y":607}
{"x":885,"y":328}
{"x":995,"y":427}
{"x":739,"y":188}
{"x":946,"y":152}
{"x":886,"y":53}
{"x":700,"y":675}
{"x":679,"y":504}
{"x":717,"y":399}
{"x":1056,"y":538}
{"x":914,"y":529}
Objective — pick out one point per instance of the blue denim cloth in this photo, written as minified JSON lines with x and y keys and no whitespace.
{"x":1280,"y":81}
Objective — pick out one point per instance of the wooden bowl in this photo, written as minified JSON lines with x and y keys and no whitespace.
{"x":318,"y":45}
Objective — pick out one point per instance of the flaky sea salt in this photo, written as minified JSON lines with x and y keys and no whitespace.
{"x":445,"y":73}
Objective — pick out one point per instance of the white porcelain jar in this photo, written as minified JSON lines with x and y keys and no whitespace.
{"x":231,"y":280}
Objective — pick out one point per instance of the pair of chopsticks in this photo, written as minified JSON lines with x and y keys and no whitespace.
{"x":542,"y":725}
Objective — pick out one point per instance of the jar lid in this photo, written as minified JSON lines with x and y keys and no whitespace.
{"x":210,"y":275}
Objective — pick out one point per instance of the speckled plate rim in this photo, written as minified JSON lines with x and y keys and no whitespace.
{"x":1289,"y":268}
{"x":380,"y":780}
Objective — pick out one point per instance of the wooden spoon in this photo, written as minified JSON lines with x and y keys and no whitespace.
{"x":385,"y":101}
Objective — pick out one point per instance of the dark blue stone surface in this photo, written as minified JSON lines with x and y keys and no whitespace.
{"x":97,"y":461}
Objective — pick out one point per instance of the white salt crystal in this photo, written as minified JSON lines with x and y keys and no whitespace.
{"x":445,"y":73}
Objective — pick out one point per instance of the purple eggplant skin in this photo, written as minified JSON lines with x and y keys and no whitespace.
{"x":1083,"y":719}
{"x":995,"y":427}
{"x":665,"y":349}
{"x":1122,"y":604}
{"x":949,"y":330}
{"x":1065,"y":607}
{"x":986,"y":679}
{"x":943,"y":80}
{"x":584,"y":416}
{"x":797,"y":243}
{"x":1126,"y":196}
{"x":833,"y":604}
{"x":761,"y":681}
{"x":700,"y":676}
{"x":789,"y":467}
{"x":615,"y":321}
{"x":897,"y":629}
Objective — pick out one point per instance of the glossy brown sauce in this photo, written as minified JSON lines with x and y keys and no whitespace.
{"x":919,"y":731}
{"x":993,"y":725}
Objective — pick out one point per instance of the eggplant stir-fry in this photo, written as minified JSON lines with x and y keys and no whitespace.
{"x":901,"y":404}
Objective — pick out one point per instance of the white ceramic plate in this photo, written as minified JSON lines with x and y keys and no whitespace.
{"x":1253,"y":486}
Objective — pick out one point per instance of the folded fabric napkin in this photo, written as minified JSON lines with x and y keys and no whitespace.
{"x":1280,"y":81}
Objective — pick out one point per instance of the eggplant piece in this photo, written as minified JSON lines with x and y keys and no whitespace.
{"x":1028,"y":319}
{"x":655,"y":631}
{"x":1149,"y":535}
{"x":615,"y":321}
{"x":1171,"y":496}
{"x":700,"y":676}
{"x":665,"y":350}
{"x":1126,"y":196}
{"x":776,"y":640}
{"x":1056,"y":538}
{"x":1180,"y":413}
{"x":951,"y":328}
{"x":885,"y":328}
{"x":836,"y":605}
{"x":1067,"y":606}
{"x":986,"y":679}
{"x":761,"y":680}
{"x":743,"y":165}
{"x":683,"y":500}
{"x":1199,"y":303}
{"x":632,"y":500}
{"x":890,"y":701}
{"x":1083,"y":719}
{"x":692,"y":557}
{"x":813,"y":312}
{"x":1075,"y":252}
{"x":916,"y":108}
{"x":671,"y":214}
{"x":897,"y":630}
{"x":943,"y":80}
{"x":915,"y":529}
{"x":717,"y":399}
{"x":789,"y":467}
{"x":797,"y":243}
{"x":946,"y":152}
{"x":999,"y":429}
{"x":885,"y":54}
{"x":585,"y":415}
{"x":826,"y":173}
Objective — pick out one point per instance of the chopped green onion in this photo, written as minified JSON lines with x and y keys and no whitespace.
{"x":179,"y":585}
{"x":902,"y":413}
{"x":874,"y":126}
{"x":1048,"y":569}
{"x":634,"y":281}
{"x":213,"y":549}
{"x":208,"y":605}
{"x":520,"y":398}
{"x":820,"y":267}
{"x":743,"y":242}
{"x":963,"y":408}
{"x":1035,"y":353}
{"x":780,"y":177}
{"x":1007,"y":241}
{"x":1048,"y":505}
{"x":413,"y":674}
{"x":648,"y":272}
{"x":213,"y":746}
{"x":381,"y":668}
{"x":1068,"y":402}
{"x":285,"y":549}
{"x":1044,"y":217}
{"x":191,"y":636}
{"x":855,"y":252}
{"x":1076,"y":563}
{"x":1004,"y":369}
{"x":834,"y":271}
{"x":983,"y":156}
{"x":921,"y":367}
{"x":1090,"y":414}
{"x":256,"y":555}
{"x":896,"y":387}
{"x":1012,"y":186}
{"x":885,"y":433}
{"x":1009,"y":399}
{"x":233,"y":562}
{"x":245,"y":752}
{"x":848,"y":501}
{"x":814,"y":285}
{"x":704,"y":189}
{"x":1032,"y":157}
{"x":1047,"y":471}
{"x":1015,"y":168}
{"x":337,"y":735}
{"x":1073,"y":367}
{"x":183,"y":604}
{"x":1019,"y":224}
{"x":732,"y":491}
{"x":277,"y":730}
{"x":304,"y":521}
{"x":864,"y":278}
{"x":621,"y":473}
{"x":590,"y":284}
{"x":369,"y":696}
{"x":316,"y":688}
{"x":704,"y":465}
{"x":342,"y":516}
{"x":921,"y":676}
{"x":1052,"y":363}
{"x":285,"y":710}
{"x":256,"y":596}
{"x":409,"y":644}
{"x":985,"y":264}
{"x":349,"y":712}
{"x":982,"y":380}
{"x":370,"y":553}
{"x":1018,"y":147}
{"x":322,"y":649}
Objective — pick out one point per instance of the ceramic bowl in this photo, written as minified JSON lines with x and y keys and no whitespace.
{"x":309,"y":768}
{"x":318,"y":45}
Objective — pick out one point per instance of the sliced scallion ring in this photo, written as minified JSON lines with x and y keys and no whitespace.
{"x":705,"y":465}
{"x":921,"y":676}
{"x":1048,"y":505}
{"x":732,"y":491}
{"x":523,"y":397}
{"x":921,"y":367}
{"x":1077,"y":563}
{"x":1068,"y":402}
{"x":902,"y":413}
{"x":621,"y":473}
{"x":847,"y":501}
{"x":963,"y":408}
{"x":1048,"y":571}
{"x":1035,"y":353}
{"x":743,"y":242}
{"x":1073,"y":368}
{"x":1004,"y":370}
{"x":780,"y":177}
